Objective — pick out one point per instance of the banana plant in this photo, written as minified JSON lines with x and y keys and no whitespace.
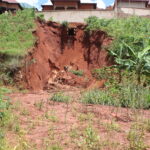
{"x":119,"y":56}
{"x":138,"y":61}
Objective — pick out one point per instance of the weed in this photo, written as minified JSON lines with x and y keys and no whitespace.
{"x":39,"y":105}
{"x":25,"y":112}
{"x":112,"y":126}
{"x":77,"y":72}
{"x":6,"y":122}
{"x":136,"y":139}
{"x":6,"y":116}
{"x":40,"y":17}
{"x":97,"y":97}
{"x":125,"y":95}
{"x":50,"y":115}
{"x":110,"y":145}
{"x":65,"y":24}
{"x":16,"y":128}
{"x":90,"y":140}
{"x":60,"y":97}
{"x":86,"y":117}
{"x":147,"y":125}
{"x":4,"y":90}
{"x":54,"y":147}
{"x":3,"y":142}
{"x":51,"y":19}
{"x":23,"y":144}
{"x":74,"y":132}
{"x":108,"y":73}
{"x":16,"y":106}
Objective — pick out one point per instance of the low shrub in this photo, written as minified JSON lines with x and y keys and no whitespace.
{"x":90,"y":140}
{"x":131,"y":96}
{"x":77,"y":72}
{"x":134,"y":96}
{"x":40,"y":17}
{"x":105,"y":73}
{"x":60,"y":97}
{"x":97,"y":97}
{"x":65,"y":24}
{"x":6,"y":119}
{"x":136,"y":139}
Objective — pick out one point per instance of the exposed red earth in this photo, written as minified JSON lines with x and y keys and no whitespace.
{"x":61,"y":124}
{"x":58,"y":50}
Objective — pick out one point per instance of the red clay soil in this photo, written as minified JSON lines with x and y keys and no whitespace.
{"x":65,"y":124}
{"x":56,"y":53}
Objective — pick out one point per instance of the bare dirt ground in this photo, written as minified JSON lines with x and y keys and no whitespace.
{"x":46,"y":123}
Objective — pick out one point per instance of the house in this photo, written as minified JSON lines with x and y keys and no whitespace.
{"x":132,"y":4}
{"x":9,"y":5}
{"x":69,"y":5}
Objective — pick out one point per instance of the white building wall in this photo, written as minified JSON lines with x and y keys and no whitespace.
{"x":135,"y":11}
{"x":131,"y":4}
{"x":76,"y":15}
{"x":80,"y":15}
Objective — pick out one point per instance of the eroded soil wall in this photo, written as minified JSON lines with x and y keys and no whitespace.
{"x":56,"y":51}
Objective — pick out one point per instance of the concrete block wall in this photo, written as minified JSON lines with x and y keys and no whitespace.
{"x":76,"y":15}
{"x":81,"y":15}
{"x":135,"y":11}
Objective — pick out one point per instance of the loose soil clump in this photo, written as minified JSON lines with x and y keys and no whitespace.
{"x":65,"y":56}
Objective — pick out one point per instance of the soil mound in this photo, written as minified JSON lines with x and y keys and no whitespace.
{"x":65,"y":56}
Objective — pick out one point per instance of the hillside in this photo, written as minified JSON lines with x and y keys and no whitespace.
{"x":15,"y":42}
{"x":74,"y":86}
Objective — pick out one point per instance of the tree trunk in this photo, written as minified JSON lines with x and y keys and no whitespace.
{"x":120,"y":75}
{"x":139,"y":78}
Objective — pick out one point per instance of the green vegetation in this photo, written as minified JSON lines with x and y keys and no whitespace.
{"x":90,"y":139}
{"x":129,"y":95}
{"x":136,"y":139}
{"x":60,"y":97}
{"x":127,"y":81}
{"x":124,"y":94}
{"x":40,"y":17}
{"x":131,"y":44}
{"x":16,"y":39}
{"x":107,"y":73}
{"x":65,"y":24}
{"x":6,"y":118}
{"x":51,"y":19}
{"x":16,"y":33}
{"x":55,"y":147}
{"x":77,"y":72}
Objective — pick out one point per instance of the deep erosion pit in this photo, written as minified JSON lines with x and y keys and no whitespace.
{"x":61,"y":50}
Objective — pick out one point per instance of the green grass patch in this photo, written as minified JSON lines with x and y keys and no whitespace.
{"x":77,"y":72}
{"x":131,"y":96}
{"x":60,"y":97}
{"x":16,"y":32}
{"x":16,"y":38}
